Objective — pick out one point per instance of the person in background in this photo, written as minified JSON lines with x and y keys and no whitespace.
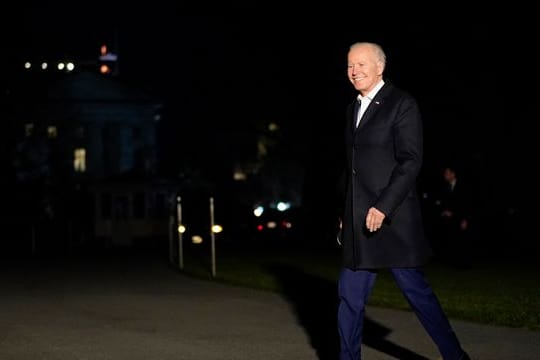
{"x":454,"y":217}
{"x":381,"y":223}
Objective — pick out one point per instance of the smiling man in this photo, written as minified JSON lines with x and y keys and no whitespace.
{"x":381,"y":223}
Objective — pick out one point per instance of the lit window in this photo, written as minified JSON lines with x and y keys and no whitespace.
{"x":239,"y":175}
{"x":262,"y":149}
{"x":52,"y":132}
{"x":273,"y":126}
{"x":79,"y":160}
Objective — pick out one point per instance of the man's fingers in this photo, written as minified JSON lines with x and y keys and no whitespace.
{"x":374,"y":220}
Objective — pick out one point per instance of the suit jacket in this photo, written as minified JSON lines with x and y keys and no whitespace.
{"x":457,"y":202}
{"x":383,"y":159}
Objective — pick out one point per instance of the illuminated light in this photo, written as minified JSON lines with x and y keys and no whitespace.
{"x":239,"y":175}
{"x":27,"y":65}
{"x":196,"y":239}
{"x":262,"y":149}
{"x":260,"y":227}
{"x":105,"y":55}
{"x":181,"y":229}
{"x":286,"y":224}
{"x":61,"y":66}
{"x":79,"y":160}
{"x":271,"y":225}
{"x":104,"y":69}
{"x":217,"y":229}
{"x":282,"y":206}
{"x":52,"y":132}
{"x":44,"y":66}
{"x":258,"y":211}
{"x":273,"y":126}
{"x":70,"y":66}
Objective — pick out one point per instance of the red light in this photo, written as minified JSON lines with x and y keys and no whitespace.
{"x":260,"y":227}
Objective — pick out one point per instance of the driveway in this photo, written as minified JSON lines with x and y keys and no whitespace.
{"x":135,"y":307}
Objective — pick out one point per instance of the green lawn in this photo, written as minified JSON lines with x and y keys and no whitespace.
{"x":485,"y":293}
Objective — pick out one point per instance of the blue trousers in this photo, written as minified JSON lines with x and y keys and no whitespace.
{"x":354,"y":288}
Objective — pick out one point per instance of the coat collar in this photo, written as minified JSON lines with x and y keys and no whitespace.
{"x":374,"y":105}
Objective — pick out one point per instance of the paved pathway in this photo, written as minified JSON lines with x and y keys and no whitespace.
{"x":139,"y":309}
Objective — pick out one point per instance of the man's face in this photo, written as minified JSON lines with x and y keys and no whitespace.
{"x":364,"y":68}
{"x":449,"y":175}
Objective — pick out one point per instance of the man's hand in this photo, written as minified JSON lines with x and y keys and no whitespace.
{"x":374,"y":219}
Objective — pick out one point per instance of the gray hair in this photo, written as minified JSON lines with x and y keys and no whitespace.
{"x":379,"y":52}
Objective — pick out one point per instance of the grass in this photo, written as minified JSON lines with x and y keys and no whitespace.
{"x":486,"y":293}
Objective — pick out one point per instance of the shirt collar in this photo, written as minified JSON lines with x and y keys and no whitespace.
{"x":372,"y":93}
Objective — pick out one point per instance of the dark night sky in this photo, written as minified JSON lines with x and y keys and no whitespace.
{"x":246,"y":63}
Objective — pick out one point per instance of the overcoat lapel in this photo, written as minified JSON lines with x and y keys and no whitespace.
{"x":374,"y":106}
